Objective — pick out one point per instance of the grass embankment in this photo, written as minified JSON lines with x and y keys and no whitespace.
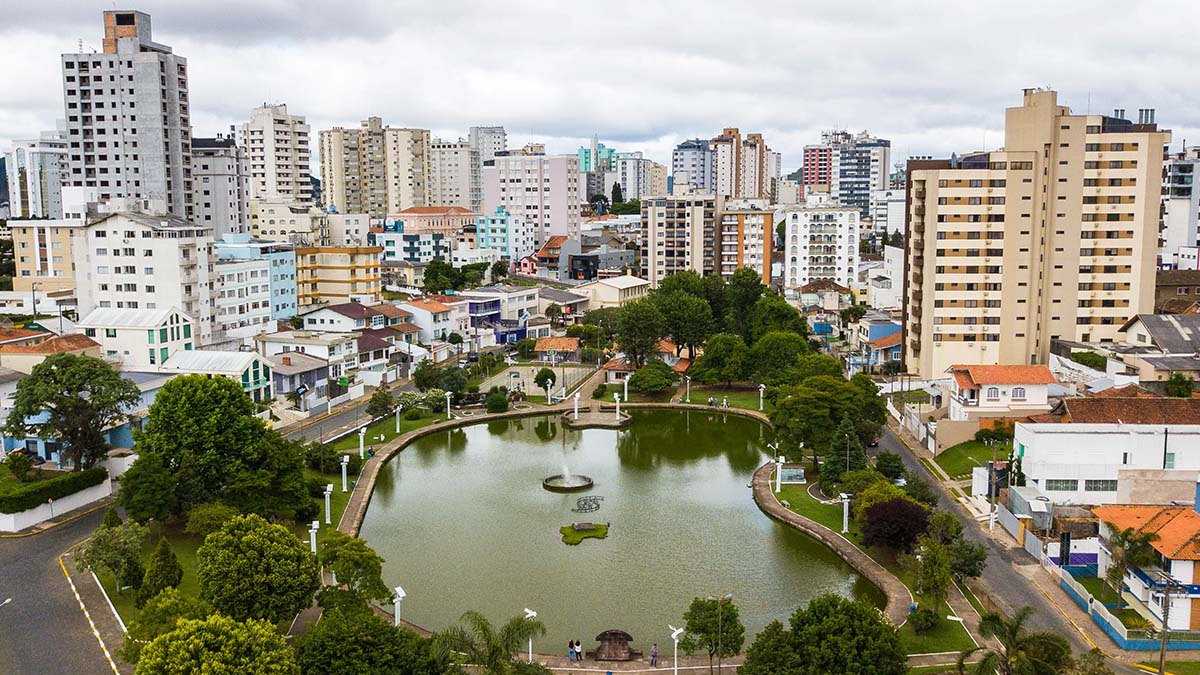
{"x":948,"y":636}
{"x":746,"y":399}
{"x":572,"y":537}
{"x":958,"y":461}
{"x":382,"y":432}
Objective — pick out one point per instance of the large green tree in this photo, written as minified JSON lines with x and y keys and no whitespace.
{"x":687,"y":281}
{"x":488,"y":646}
{"x":252,"y":569}
{"x":163,"y":571}
{"x":809,"y":413}
{"x":713,"y":625}
{"x":75,"y":399}
{"x":159,"y":616}
{"x":357,"y":567}
{"x":363,"y":643}
{"x":639,"y":330}
{"x":836,"y":635}
{"x":1180,"y":386}
{"x":772,"y":313}
{"x":147,"y":489}
{"x":219,"y":645}
{"x":725,"y":359}
{"x":773,"y":652}
{"x":381,"y":404}
{"x":687,"y":319}
{"x":845,"y":454}
{"x":654,"y":377}
{"x":742,"y":293}
{"x":425,"y":376}
{"x":774,"y":356}
{"x":1017,"y":651}
{"x":117,"y":550}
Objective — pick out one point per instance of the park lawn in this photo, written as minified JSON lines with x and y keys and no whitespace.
{"x":746,"y":399}
{"x":9,"y":482}
{"x":655,"y":397}
{"x":385,"y":427}
{"x":1176,"y":667}
{"x":947,"y":636}
{"x":960,"y":459}
{"x":829,"y":515}
{"x":914,"y":396}
{"x":1099,"y":589}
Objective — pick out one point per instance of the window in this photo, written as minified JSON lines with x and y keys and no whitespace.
{"x":90,"y":332}
{"x":110,"y":332}
{"x":993,"y":393}
{"x":1169,"y":461}
{"x":1100,"y":485}
{"x":1018,"y":393}
{"x":1061,"y":485}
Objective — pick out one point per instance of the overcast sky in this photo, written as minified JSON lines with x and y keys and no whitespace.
{"x":933,"y":77}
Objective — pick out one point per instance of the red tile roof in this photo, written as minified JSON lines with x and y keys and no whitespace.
{"x":618,"y":364}
{"x":981,"y":375}
{"x":887,"y":341}
{"x":55,"y":345}
{"x":429,"y":306}
{"x":557,"y":344}
{"x":20,"y":335}
{"x":435,"y":211}
{"x":391,"y":311}
{"x":552,"y":242}
{"x":1131,"y":410}
{"x":682,"y":365}
{"x":1128,"y":391}
{"x":1177,"y":527}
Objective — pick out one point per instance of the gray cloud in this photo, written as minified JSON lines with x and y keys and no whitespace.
{"x":932,"y":76}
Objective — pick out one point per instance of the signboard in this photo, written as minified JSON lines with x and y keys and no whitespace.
{"x":343,"y":382}
{"x":792,"y":474}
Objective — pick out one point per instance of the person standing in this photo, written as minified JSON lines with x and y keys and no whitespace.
{"x":579,"y":651}
{"x":570,"y":651}
{"x":654,"y":655}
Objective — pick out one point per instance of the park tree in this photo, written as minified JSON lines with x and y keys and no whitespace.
{"x":716,"y":293}
{"x":725,"y":359}
{"x":164,"y":571}
{"x":617,"y":195}
{"x":741,"y":294}
{"x":273,"y":483}
{"x":73,"y":398}
{"x":1091,"y":662}
{"x":147,"y":489}
{"x":685,"y":281}
{"x":813,"y":364}
{"x":712,"y":624}
{"x":111,"y":518}
{"x":356,"y":566}
{"x":774,"y":356}
{"x":499,"y":270}
{"x":771,"y":312}
{"x":435,"y":400}
{"x":837,"y":635}
{"x":204,"y":519}
{"x":810,"y":413}
{"x":967,"y":558}
{"x":687,"y":319}
{"x":654,"y":377}
{"x":497,"y":400}
{"x":773,"y":652}
{"x":453,"y":380}
{"x":1129,"y":547}
{"x":343,"y":643}
{"x":117,"y":550}
{"x":933,"y":571}
{"x":425,"y":375}
{"x":219,"y":644}
{"x":607,"y":319}
{"x":381,"y":404}
{"x":639,"y":330}
{"x":20,"y":465}
{"x":889,"y":464}
{"x":1017,"y":651}
{"x":545,"y":378}
{"x":845,"y":454}
{"x":456,"y":340}
{"x":252,"y":569}
{"x":1180,"y":386}
{"x":159,"y":616}
{"x":488,"y":646}
{"x":895,"y":523}
{"x":553,"y":313}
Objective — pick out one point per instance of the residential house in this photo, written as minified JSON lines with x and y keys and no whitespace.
{"x":139,"y":339}
{"x":339,"y":350}
{"x":1175,"y":290}
{"x":22,"y":336}
{"x":572,"y":305}
{"x":249,"y":369}
{"x":999,"y":391}
{"x":23,"y":357}
{"x":303,"y":375}
{"x":517,"y":303}
{"x":434,"y":319}
{"x":557,"y":349}
{"x":346,"y":317}
{"x":614,"y":291}
{"x":1162,"y":345}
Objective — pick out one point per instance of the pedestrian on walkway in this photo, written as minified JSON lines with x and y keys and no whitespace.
{"x":570,"y":651}
{"x":725,"y":403}
{"x":654,"y":655}
{"x":578,"y":651}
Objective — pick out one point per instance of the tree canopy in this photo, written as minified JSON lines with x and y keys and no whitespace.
{"x":836,"y":635}
{"x":654,"y":377}
{"x":687,"y":319}
{"x":486,"y":645}
{"x":640,"y":327}
{"x":726,"y":359}
{"x":219,"y":645}
{"x":159,"y":616}
{"x":344,"y":643}
{"x":713,"y":625}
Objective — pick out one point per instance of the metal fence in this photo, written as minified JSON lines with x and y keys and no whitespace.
{"x":1007,"y":520}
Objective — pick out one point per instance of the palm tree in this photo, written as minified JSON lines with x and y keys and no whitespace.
{"x":554,"y":313}
{"x":481,"y":644}
{"x":1129,"y":548}
{"x":1017,"y":652}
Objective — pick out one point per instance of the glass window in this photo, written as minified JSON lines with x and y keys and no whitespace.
{"x":1100,"y":485}
{"x":1061,"y":485}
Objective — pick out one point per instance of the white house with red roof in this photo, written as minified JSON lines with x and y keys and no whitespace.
{"x":999,"y":391}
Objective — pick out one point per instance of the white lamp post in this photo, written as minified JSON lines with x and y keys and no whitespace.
{"x":312,"y":535}
{"x":399,"y":595}
{"x":576,"y":405}
{"x":845,"y":512}
{"x":345,"y":463}
{"x":778,"y":469}
{"x":397,"y":419}
{"x":762,"y":389}
{"x":687,"y":384}
{"x":448,"y":405}
{"x":617,"y":398}
{"x":530,"y":615}
{"x":328,"y":492}
{"x":362,"y":436}
{"x":626,"y":394}
{"x":675,"y":633}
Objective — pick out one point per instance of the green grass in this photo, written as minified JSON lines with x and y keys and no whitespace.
{"x":829,"y":515}
{"x":385,"y":427}
{"x":573,"y":537}
{"x":1131,"y":619}
{"x":9,"y":482}
{"x":1176,"y":667}
{"x":1099,"y":589}
{"x":657,"y":397}
{"x":746,"y":399}
{"x":960,"y":459}
{"x":932,"y":670}
{"x":947,"y":636}
{"x":914,"y":396}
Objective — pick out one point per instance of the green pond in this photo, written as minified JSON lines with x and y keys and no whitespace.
{"x":463,"y":522}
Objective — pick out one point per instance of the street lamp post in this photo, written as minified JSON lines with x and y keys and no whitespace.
{"x":617,"y":398}
{"x":576,"y":405}
{"x":362,"y":435}
{"x":398,"y":595}
{"x":762,"y":390}
{"x":626,"y":395}
{"x":675,"y":633}
{"x":845,"y":512}
{"x":529,"y":616}
{"x":397,"y":419}
{"x":345,"y":463}
{"x":687,"y":383}
{"x":778,"y":466}
{"x":312,"y":535}
{"x":448,"y":405}
{"x":328,"y":492}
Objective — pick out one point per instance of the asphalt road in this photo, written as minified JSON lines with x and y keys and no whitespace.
{"x":42,"y":629}
{"x":341,"y":421}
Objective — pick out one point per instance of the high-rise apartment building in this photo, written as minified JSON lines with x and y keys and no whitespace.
{"x":693,"y":163}
{"x":455,"y":175}
{"x":1054,"y":237}
{"x":36,"y":169}
{"x":506,"y":233}
{"x":282,"y":261}
{"x":374,"y":169}
{"x":743,"y":165}
{"x":337,"y":274}
{"x":241,"y":299}
{"x":128,"y":125}
{"x":746,"y":237}
{"x":820,"y":241}
{"x":220,"y":185}
{"x":852,"y":165}
{"x":679,"y":232}
{"x":489,"y":141}
{"x":277,"y":149}
{"x":543,"y":190}
{"x":597,"y":157}
{"x":1181,"y":206}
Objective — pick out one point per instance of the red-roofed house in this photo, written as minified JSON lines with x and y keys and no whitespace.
{"x":998,"y":391}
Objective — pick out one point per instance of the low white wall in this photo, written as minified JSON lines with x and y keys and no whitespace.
{"x":15,"y":522}
{"x":119,"y":465}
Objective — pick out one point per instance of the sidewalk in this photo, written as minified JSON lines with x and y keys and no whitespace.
{"x":61,"y":518}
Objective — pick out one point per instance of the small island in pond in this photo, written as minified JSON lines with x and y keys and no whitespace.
{"x":576,"y":532}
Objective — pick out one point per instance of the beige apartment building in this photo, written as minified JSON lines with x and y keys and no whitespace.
{"x":455,"y":175}
{"x":44,"y":253}
{"x":1054,"y":237}
{"x":746,"y":240}
{"x":679,"y":232}
{"x":282,"y":220}
{"x":743,"y":164}
{"x":277,"y":151}
{"x":374,"y":169}
{"x":337,"y":274}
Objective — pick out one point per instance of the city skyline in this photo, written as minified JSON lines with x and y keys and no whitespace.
{"x":493,"y":65}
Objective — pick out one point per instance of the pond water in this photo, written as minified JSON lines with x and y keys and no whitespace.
{"x":463,"y":523}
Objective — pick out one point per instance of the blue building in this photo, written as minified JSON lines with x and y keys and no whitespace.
{"x":413,"y":247}
{"x":877,"y":338}
{"x":236,"y":246}
{"x":504,"y":232}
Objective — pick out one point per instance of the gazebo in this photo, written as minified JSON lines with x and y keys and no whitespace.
{"x":614,"y":646}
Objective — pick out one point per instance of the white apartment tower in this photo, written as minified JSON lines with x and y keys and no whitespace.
{"x":36,"y":169}
{"x":820,"y":242}
{"x":128,"y":125}
{"x":455,"y":175}
{"x":1181,"y":207}
{"x":489,"y":141}
{"x":543,"y":190}
{"x":1053,"y":238}
{"x":277,"y":148}
{"x":220,"y":185}
{"x":374,"y":169}
{"x":693,"y":163}
{"x":743,"y":165}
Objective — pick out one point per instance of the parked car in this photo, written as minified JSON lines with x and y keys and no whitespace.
{"x":463,"y":363}
{"x":33,"y":456}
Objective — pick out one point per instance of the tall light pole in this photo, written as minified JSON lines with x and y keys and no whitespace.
{"x":448,"y":405}
{"x":721,"y":600}
{"x":778,"y":466}
{"x":397,"y":596}
{"x":328,"y":492}
{"x":362,"y":436}
{"x":687,"y":383}
{"x":617,"y":398}
{"x":845,"y":512}
{"x":345,"y":463}
{"x":530,"y":615}
{"x":312,"y":535}
{"x":762,"y":390}
{"x":626,"y":395}
{"x":397,"y":419}
{"x":675,"y":633}
{"x":576,"y":405}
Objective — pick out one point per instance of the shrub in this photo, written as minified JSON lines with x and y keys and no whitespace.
{"x":308,"y":511}
{"x":854,"y":482}
{"x":654,"y":377}
{"x":164,"y":571}
{"x":316,"y":487}
{"x":412,"y":414}
{"x":20,"y":465}
{"x":1000,"y":435}
{"x":497,"y":402}
{"x":600,"y":390}
{"x":472,"y":388}
{"x":32,"y":495}
{"x":889,"y":464}
{"x":895,"y":523}
{"x":525,"y":347}
{"x":1091,"y":360}
{"x":923,"y":620}
{"x":207,"y":518}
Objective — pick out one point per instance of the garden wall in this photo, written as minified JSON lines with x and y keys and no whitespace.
{"x":15,"y":522}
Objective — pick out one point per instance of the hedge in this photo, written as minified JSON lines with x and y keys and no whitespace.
{"x":31,"y":495}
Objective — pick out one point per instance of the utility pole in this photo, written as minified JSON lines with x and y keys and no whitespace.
{"x":1169,"y":584}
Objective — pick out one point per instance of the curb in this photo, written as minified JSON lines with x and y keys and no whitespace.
{"x":87,"y":615}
